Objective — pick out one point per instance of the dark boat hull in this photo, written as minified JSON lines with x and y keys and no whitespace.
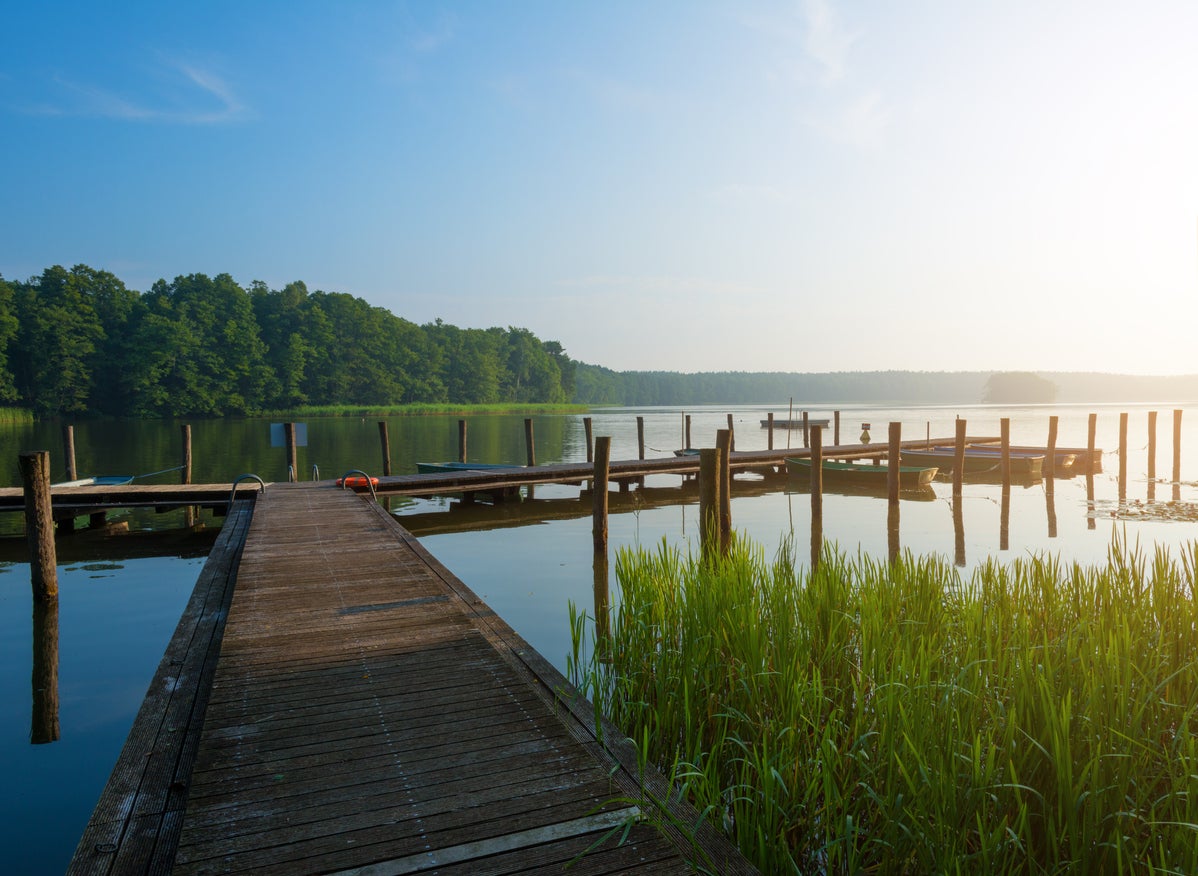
{"x":874,"y":476}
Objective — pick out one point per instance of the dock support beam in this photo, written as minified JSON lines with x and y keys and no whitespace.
{"x":39,"y":524}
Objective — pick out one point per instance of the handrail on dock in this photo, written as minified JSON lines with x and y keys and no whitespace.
{"x":245,"y":477}
{"x":369,"y":481}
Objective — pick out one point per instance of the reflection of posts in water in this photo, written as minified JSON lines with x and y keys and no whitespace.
{"x":817,"y":494}
{"x":1090,"y":524}
{"x":723,"y":440}
{"x":959,"y":458}
{"x":1050,"y":504}
{"x":958,"y":532}
{"x":602,"y":603}
{"x":599,"y":494}
{"x":1177,"y":456}
{"x":1004,"y":525}
{"x":1122,"y":458}
{"x":44,"y":724}
{"x":892,"y":532}
{"x":709,"y":499}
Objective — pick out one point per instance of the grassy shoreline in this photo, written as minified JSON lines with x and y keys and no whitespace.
{"x":864,"y":717}
{"x":420,"y":410}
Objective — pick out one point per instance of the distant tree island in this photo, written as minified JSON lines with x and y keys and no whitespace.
{"x":78,"y":342}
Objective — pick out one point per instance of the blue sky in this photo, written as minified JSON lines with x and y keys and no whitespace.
{"x":806,"y":186}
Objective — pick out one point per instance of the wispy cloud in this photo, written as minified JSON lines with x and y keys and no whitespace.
{"x":189,"y":95}
{"x":860,"y":122}
{"x":825,"y":41}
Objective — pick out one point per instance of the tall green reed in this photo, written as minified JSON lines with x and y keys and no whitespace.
{"x":894,"y":718}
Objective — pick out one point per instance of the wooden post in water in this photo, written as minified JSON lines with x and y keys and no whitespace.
{"x":640,"y":437}
{"x":44,"y":724}
{"x":817,"y":492}
{"x":709,"y":499}
{"x":189,"y":512}
{"x":39,"y":523}
{"x":959,"y":460}
{"x":1122,"y":457}
{"x":599,"y":493}
{"x":289,"y":442}
{"x":461,"y":440}
{"x":769,"y":425}
{"x":1176,"y":451}
{"x":893,"y":460}
{"x":1004,"y":431}
{"x":385,"y":442}
{"x":688,"y":431}
{"x":1151,"y":446}
{"x":587,"y":428}
{"x":68,"y":450}
{"x":836,"y":428}
{"x":731,"y":435}
{"x":532,"y":455}
{"x":1050,"y":458}
{"x":806,"y":434}
{"x":723,"y":440}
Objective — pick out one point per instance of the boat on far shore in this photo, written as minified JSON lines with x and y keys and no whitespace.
{"x":795,"y":423}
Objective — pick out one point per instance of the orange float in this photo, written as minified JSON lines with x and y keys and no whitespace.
{"x":356,"y":481}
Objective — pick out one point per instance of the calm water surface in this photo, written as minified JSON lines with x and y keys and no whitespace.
{"x":119,"y":606}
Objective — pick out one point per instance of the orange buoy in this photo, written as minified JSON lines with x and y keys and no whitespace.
{"x":356,"y":481}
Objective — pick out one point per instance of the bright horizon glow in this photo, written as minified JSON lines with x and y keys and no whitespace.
{"x":803,"y":186}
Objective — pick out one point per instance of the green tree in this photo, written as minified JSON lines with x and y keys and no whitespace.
{"x":8,"y":334}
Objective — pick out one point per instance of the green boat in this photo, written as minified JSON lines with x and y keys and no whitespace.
{"x":862,"y":474}
{"x":458,"y":467}
{"x":1024,"y":464}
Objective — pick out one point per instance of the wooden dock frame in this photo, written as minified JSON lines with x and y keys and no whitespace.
{"x":151,"y":817}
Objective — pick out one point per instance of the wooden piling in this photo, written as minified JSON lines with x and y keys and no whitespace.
{"x":817,"y":474}
{"x":731,"y":435}
{"x":44,"y":726}
{"x":1091,"y":431}
{"x":385,"y":441}
{"x":68,"y":450}
{"x":1050,"y":461}
{"x":836,"y":428}
{"x":710,"y":464}
{"x":528,"y":442}
{"x":292,"y":458}
{"x":461,"y":440}
{"x":599,"y":493}
{"x":806,"y":433}
{"x":640,"y":437}
{"x":1004,"y":431}
{"x":893,"y":460}
{"x":959,"y":459}
{"x":39,"y":523}
{"x":723,"y":440}
{"x":1122,"y":457}
{"x":1151,"y":446}
{"x":688,"y":444}
{"x":769,"y":438}
{"x":1177,"y":448}
{"x":185,"y":473}
{"x":587,"y":427}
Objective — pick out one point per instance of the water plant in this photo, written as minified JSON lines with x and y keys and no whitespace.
{"x":894,"y":718}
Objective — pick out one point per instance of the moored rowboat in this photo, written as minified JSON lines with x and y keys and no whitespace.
{"x":1024,"y":464}
{"x":910,"y":477}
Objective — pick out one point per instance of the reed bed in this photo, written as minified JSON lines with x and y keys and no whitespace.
{"x":874,"y":718}
{"x":420,"y":410}
{"x":15,"y":416}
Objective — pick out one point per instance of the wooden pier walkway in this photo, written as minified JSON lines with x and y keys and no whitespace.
{"x":368,"y":714}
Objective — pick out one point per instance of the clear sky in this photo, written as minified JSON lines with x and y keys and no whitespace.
{"x":776,"y":186}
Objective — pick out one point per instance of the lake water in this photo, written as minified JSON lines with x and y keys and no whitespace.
{"x":120,"y":597}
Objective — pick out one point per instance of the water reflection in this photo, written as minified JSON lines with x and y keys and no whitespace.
{"x":44,"y":724}
{"x":1051,"y":506}
{"x":1004,"y":526}
{"x":958,"y":532}
{"x":892,"y":532}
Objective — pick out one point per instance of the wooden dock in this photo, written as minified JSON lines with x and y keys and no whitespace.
{"x":368,"y":714}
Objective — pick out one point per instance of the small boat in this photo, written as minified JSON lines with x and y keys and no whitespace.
{"x":976,"y":461}
{"x":452,"y":467}
{"x":99,"y":481}
{"x":687,"y":451}
{"x":1064,"y":458}
{"x":794,"y":424}
{"x":911,"y":477}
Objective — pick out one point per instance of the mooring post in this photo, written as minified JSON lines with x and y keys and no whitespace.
{"x":817,"y":474}
{"x":836,"y":428}
{"x":461,"y":440}
{"x":599,"y":493}
{"x":893,"y":461}
{"x":723,"y":440}
{"x":385,"y":444}
{"x":587,"y":427}
{"x":769,"y":425}
{"x":709,"y":499}
{"x":688,"y":431}
{"x":39,"y":523}
{"x":292,"y":458}
{"x":1004,"y":431}
{"x":1091,"y":431}
{"x":1050,"y":460}
{"x":528,"y":442}
{"x":959,"y":459}
{"x":68,"y":450}
{"x":185,"y":473}
{"x":731,"y":435}
{"x":806,"y":434}
{"x":1151,"y":446}
{"x":1122,"y":457}
{"x":1176,"y":450}
{"x":640,"y":437}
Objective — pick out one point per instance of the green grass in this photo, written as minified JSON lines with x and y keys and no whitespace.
{"x":417,"y":410}
{"x":869,"y":718}
{"x":15,"y":416}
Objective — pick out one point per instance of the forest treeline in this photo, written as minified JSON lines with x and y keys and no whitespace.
{"x":79,"y":342}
